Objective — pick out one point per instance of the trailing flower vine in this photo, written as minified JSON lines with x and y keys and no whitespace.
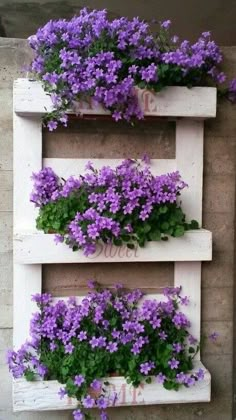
{"x":80,"y":344}
{"x":90,"y":56}
{"x":122,"y":206}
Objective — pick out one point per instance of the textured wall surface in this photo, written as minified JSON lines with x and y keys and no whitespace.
{"x":21,"y":18}
{"x":217,"y":283}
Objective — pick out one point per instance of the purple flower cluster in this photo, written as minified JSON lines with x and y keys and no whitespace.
{"x":114,"y":326}
{"x":91,"y":56}
{"x":46,"y":182}
{"x":202,"y":54}
{"x":114,"y":199}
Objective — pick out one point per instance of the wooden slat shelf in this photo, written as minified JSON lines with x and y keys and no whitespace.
{"x":40,"y":248}
{"x":173,"y":101}
{"x":43,"y":395}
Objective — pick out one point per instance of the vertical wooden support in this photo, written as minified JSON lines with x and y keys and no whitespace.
{"x":189,"y":161}
{"x":188,"y":276}
{"x":27,"y":278}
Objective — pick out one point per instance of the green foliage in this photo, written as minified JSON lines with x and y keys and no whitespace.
{"x":165,"y":221}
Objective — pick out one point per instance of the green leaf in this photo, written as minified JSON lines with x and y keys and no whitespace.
{"x":165,"y":226}
{"x":155,"y":235}
{"x":146,"y":228}
{"x":194,"y":224}
{"x":179,"y":231}
{"x":163,"y":209}
{"x":29,"y":375}
{"x":117,"y":242}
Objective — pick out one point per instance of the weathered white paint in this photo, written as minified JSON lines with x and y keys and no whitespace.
{"x":173,"y":101}
{"x":189,"y":162}
{"x":43,"y":395}
{"x":188,"y":276}
{"x":36,"y":248}
{"x":27,"y":140}
{"x":27,"y":281}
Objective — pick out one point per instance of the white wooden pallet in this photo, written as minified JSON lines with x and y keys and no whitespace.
{"x":32,"y":249}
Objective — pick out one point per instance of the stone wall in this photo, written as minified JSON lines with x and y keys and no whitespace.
{"x":21,"y":18}
{"x":217,"y":283}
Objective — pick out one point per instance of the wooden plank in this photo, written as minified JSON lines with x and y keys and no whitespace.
{"x":27,"y":281}
{"x":157,"y":296}
{"x":188,"y":276}
{"x":27,"y":159}
{"x":36,"y":248}
{"x":75,"y":167}
{"x":173,"y":101}
{"x":43,"y":395}
{"x":189,"y":162}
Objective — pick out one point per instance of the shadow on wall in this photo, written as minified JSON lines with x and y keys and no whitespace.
{"x":2,"y":34}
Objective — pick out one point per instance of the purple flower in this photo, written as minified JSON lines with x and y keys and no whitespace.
{"x":213,"y":336}
{"x":192,"y":340}
{"x":42,"y":370}
{"x":89,"y":166}
{"x":112,"y":347}
{"x":173,"y":363}
{"x":231,"y":94}
{"x":177,"y":347}
{"x":200,"y":374}
{"x":146,"y":367}
{"x":79,"y":380}
{"x":103,"y":415}
{"x":94,"y":342}
{"x":181,"y":378}
{"x":46,"y":183}
{"x":91,"y":284}
{"x":184,"y":300}
{"x":52,"y":125}
{"x":96,"y":385}
{"x":189,"y":380}
{"x":160,"y":378}
{"x":62,"y":392}
{"x":69,"y":348}
{"x":146,"y":159}
{"x":78,"y":415}
{"x":82,"y":336}
{"x":58,"y":239}
{"x":102,"y":403}
{"x":88,"y":402}
{"x":166,"y":24}
{"x":163,"y":336}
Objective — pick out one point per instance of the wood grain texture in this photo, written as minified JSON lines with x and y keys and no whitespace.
{"x":110,"y":140}
{"x":39,"y":248}
{"x":174,"y":101}
{"x":74,"y":167}
{"x":189,"y":162}
{"x":43,"y":395}
{"x":71,"y":279}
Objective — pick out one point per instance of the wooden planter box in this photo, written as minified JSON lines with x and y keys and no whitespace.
{"x":189,"y":107}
